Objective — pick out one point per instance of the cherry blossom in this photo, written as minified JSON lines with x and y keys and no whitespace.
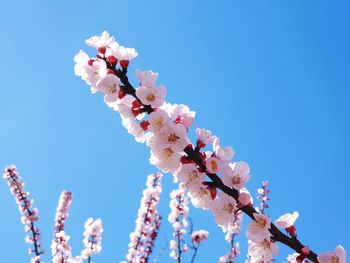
{"x":157,"y":120}
{"x":146,"y":78}
{"x":232,"y":229}
{"x":100,"y":41}
{"x":199,"y":236}
{"x":189,"y":175}
{"x":28,"y":212}
{"x":124,"y":55}
{"x":263,"y":196}
{"x":224,"y":209}
{"x":147,"y":222}
{"x":244,"y":197}
{"x":212,"y":165}
{"x":81,"y":59}
{"x":200,"y":197}
{"x":182,"y":114}
{"x":262,"y":251}
{"x":178,"y":219}
{"x":296,"y":258}
{"x":92,"y":238}
{"x":165,"y":159}
{"x":153,"y":96}
{"x":60,"y":248}
{"x":258,"y":229}
{"x":172,"y":136}
{"x":109,"y":85}
{"x":205,"y":136}
{"x":225,"y":154}
{"x":236,"y":175}
{"x":287,"y":220}
{"x":338,"y":256}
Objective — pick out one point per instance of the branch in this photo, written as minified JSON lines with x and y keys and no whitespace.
{"x":277,"y":235}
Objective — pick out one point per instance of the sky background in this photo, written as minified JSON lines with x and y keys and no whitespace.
{"x":271,"y":78}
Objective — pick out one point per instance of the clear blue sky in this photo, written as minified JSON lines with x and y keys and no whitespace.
{"x":271,"y":78}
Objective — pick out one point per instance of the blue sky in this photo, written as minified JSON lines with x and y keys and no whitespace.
{"x":271,"y":78}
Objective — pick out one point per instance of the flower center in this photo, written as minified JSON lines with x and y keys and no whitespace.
{"x":214,"y":165}
{"x":157,"y":123}
{"x":167,"y":152}
{"x":173,"y":137}
{"x":334,"y":259}
{"x":236,"y":179}
{"x":151,"y":97}
{"x":202,"y":192}
{"x":112,"y":88}
{"x":228,"y":208}
{"x":260,"y":223}
{"x":266,"y":244}
{"x":192,"y":175}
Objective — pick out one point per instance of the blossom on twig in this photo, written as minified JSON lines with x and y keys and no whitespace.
{"x":28,"y":212}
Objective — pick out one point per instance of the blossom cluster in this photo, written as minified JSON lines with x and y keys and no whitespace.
{"x":147,"y":222}
{"x":178,"y":219}
{"x":164,"y":128}
{"x":263,"y":197}
{"x":28,"y":212}
{"x":233,"y":230}
{"x":199,"y":236}
{"x":92,"y":237}
{"x":60,"y":248}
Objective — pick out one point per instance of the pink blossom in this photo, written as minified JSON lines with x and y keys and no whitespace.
{"x":200,"y":197}
{"x":178,"y":219}
{"x":173,"y":136}
{"x":199,"y":236}
{"x":262,"y":251}
{"x":263,"y":196}
{"x":338,"y":256}
{"x":92,"y":238}
{"x":189,"y":175}
{"x":146,"y":78}
{"x":165,"y":159}
{"x":124,"y":54}
{"x":182,"y":114}
{"x":244,"y":197}
{"x":205,"y":136}
{"x":157,"y":120}
{"x":236,"y":175}
{"x":29,"y":214}
{"x":224,"y":154}
{"x":60,"y":248}
{"x":100,"y":41}
{"x":81,"y":59}
{"x":94,"y":72}
{"x":153,"y":96}
{"x":224,"y":208}
{"x":212,"y":165}
{"x":258,"y":229}
{"x":287,"y":220}
{"x":147,"y":222}
{"x":109,"y":85}
{"x":296,"y":258}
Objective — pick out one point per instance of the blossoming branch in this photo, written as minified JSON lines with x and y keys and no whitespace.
{"x":164,"y":128}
